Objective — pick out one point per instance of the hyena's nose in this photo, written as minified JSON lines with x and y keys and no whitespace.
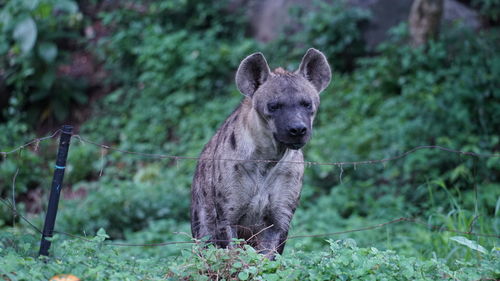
{"x":297,"y":130}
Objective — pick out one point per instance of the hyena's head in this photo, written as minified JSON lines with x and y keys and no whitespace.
{"x":286,"y":102}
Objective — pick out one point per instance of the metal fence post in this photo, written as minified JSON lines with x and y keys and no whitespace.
{"x":50,"y":218}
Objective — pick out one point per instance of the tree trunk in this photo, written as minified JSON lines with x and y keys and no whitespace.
{"x":425,"y":18}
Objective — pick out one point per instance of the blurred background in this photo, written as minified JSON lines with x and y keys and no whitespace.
{"x":158,"y":77}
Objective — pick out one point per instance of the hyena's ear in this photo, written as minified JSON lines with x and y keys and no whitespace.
{"x":314,"y":67}
{"x":252,"y":73}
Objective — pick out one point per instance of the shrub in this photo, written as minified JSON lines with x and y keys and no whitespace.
{"x":342,"y":260}
{"x":490,"y":9}
{"x":34,"y":38}
{"x":23,"y":170}
{"x":170,"y":61}
{"x":86,"y":260}
{"x":442,"y":95}
{"x":124,"y":206}
{"x":332,"y":27}
{"x":445,"y":94}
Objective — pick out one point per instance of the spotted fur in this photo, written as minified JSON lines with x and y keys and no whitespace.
{"x":251,"y":199}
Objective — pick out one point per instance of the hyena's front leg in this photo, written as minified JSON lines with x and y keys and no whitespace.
{"x":225,"y":232}
{"x":271,"y":241}
{"x":209,"y":221}
{"x":283,"y":199}
{"x":272,"y":238}
{"x":202,"y":220}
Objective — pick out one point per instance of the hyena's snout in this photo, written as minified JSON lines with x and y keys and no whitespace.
{"x":297,"y":130}
{"x":293,"y":130}
{"x":298,"y":136}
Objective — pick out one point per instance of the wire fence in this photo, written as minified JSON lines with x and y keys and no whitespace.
{"x":308,"y":163}
{"x":35,"y":142}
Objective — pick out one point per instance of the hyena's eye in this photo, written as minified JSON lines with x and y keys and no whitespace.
{"x":273,"y":106}
{"x":306,"y":104}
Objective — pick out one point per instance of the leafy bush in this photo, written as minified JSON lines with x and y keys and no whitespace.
{"x":86,"y":260}
{"x":172,"y":67}
{"x":333,"y":28}
{"x":23,"y":170}
{"x":357,"y":205}
{"x":342,"y":260}
{"x":15,"y":180}
{"x":490,"y":9}
{"x":124,"y":206}
{"x":33,"y":43}
{"x":442,"y":95}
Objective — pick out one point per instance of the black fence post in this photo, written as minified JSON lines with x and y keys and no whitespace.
{"x":50,"y":218}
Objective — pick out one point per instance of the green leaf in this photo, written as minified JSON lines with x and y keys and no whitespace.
{"x":47,"y":51}
{"x":243,"y":275}
{"x":46,"y":82}
{"x":31,"y":4}
{"x":44,"y":10}
{"x":102,"y":233}
{"x":53,"y":238}
{"x":5,"y":20}
{"x":67,"y":6}
{"x":271,"y":277}
{"x":469,"y":243}
{"x":25,"y":34}
{"x":79,"y":97}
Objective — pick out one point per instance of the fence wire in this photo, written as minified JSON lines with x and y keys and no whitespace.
{"x":311,"y":163}
{"x":194,"y":241}
{"x":329,"y":234}
{"x":308,"y":163}
{"x":36,"y":142}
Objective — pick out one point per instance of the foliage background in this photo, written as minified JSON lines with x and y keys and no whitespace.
{"x":157,"y":77}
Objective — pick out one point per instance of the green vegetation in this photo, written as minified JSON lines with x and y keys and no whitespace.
{"x":170,"y":67}
{"x":341,"y":260}
{"x":31,"y":50}
{"x":490,"y":9}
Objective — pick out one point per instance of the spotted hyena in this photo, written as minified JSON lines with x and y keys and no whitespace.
{"x":252,"y":199}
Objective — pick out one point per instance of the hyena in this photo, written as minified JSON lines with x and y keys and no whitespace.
{"x":234,"y":193}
